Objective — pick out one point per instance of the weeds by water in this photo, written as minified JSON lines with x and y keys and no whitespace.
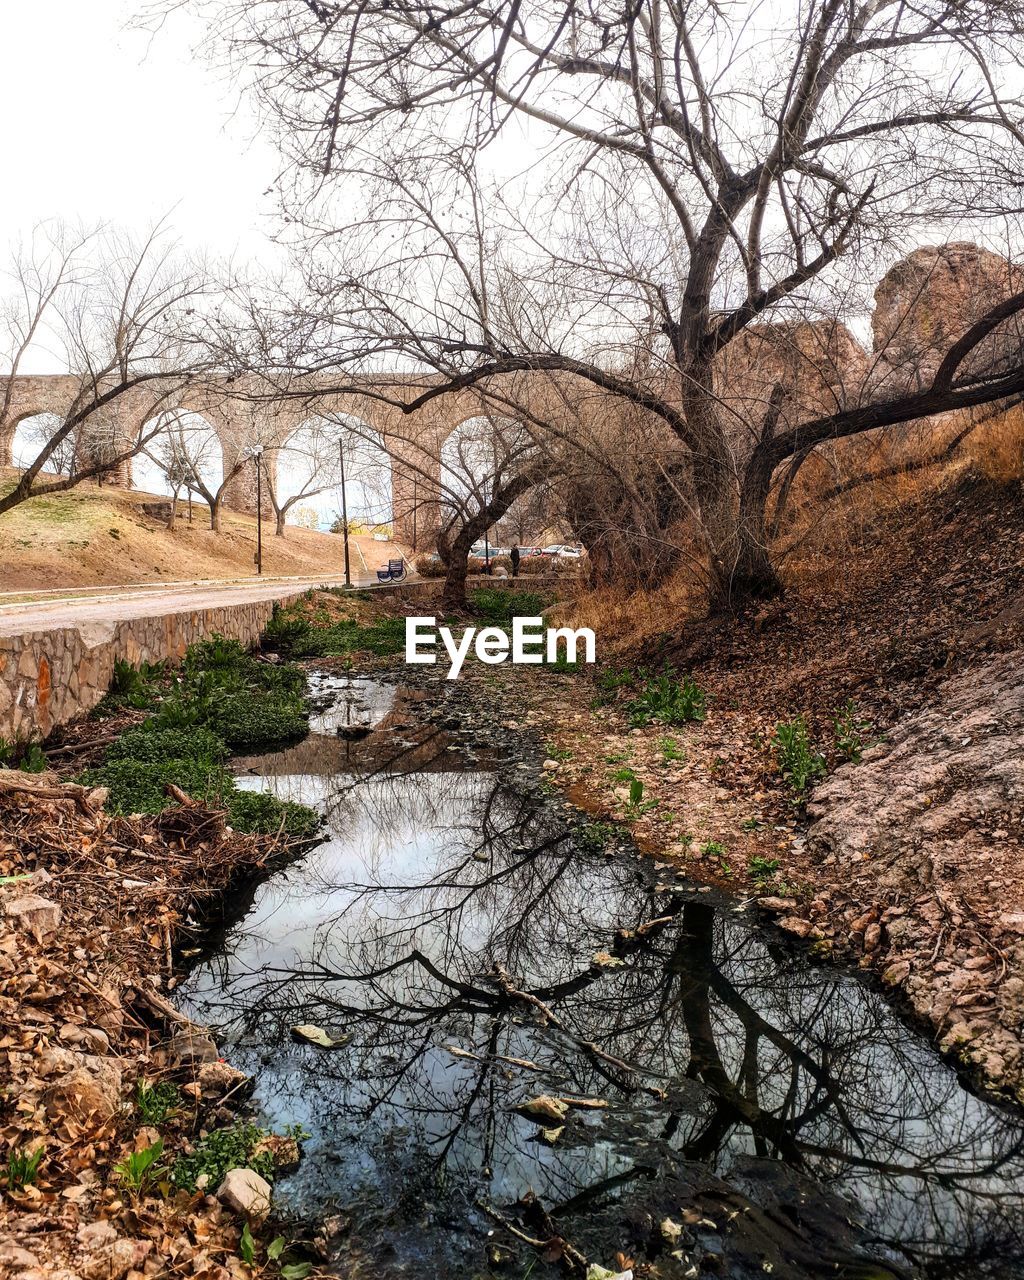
{"x":222,"y":700}
{"x":799,"y":761}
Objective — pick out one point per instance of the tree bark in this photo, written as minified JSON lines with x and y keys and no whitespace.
{"x":279,"y":523}
{"x":215,"y":515}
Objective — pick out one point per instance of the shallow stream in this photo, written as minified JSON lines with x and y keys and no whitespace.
{"x":470,"y":946}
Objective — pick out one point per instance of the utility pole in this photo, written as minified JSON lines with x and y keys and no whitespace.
{"x":344,"y":511}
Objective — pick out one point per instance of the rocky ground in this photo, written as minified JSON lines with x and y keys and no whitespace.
{"x":105,"y":1085}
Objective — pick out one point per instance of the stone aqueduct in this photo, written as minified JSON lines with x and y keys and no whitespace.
{"x":242,"y":413}
{"x":922,"y":305}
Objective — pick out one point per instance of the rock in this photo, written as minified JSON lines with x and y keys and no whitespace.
{"x":872,"y":936}
{"x":39,"y":916}
{"x":896,"y":973}
{"x":90,"y":1091}
{"x":221,"y":1077}
{"x":188,"y":1048}
{"x":544,"y":1107}
{"x":114,"y":1261}
{"x":797,"y":926}
{"x":776,"y":905}
{"x":91,"y":1039}
{"x":93,"y":1235}
{"x":244,"y":1191}
{"x":13,"y":1255}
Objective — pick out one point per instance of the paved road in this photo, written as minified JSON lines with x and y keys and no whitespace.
{"x":144,"y":600}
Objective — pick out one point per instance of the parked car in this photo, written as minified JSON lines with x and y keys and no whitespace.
{"x":564,"y":551}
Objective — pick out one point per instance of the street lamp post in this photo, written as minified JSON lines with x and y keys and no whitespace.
{"x":415,"y":505}
{"x":344,"y":511}
{"x":257,"y":453}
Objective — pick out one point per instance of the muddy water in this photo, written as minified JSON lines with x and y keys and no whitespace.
{"x":469,"y":948}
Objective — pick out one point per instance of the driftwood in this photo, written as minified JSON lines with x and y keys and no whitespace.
{"x":45,"y":786}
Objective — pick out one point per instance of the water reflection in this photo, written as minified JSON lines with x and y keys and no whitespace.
{"x":470,"y":956}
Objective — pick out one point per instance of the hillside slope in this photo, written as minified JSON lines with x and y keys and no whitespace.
{"x":94,"y":536}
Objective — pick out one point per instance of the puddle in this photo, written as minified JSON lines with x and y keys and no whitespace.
{"x":778,"y":1112}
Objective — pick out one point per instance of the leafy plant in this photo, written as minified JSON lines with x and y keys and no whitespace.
{"x":23,"y":1168}
{"x":557,"y":753}
{"x":595,"y":837}
{"x":637,"y":805}
{"x":221,"y":1150}
{"x":497,"y":606}
{"x":140,"y":1169}
{"x":762,"y":869}
{"x":850,"y":728}
{"x":800,"y":763}
{"x":33,"y":760}
{"x":668,"y":701}
{"x":623,"y":775}
{"x":671,"y":750}
{"x":156,"y":1102}
{"x":713,"y":848}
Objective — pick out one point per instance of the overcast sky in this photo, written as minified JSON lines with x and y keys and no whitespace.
{"x":104,"y":122}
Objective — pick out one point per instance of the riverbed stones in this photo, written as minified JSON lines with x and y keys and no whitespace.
{"x":217,"y":1078}
{"x":246,"y":1193}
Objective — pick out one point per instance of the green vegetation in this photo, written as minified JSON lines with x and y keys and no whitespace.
{"x":595,"y":837}
{"x":140,"y":1169}
{"x":496,"y":606}
{"x":762,"y":870}
{"x":667,"y":701}
{"x":637,"y":806}
{"x":799,"y":762}
{"x":291,"y":633}
{"x":224,"y":1149}
{"x":850,"y":729}
{"x":222,"y":699}
{"x":554,"y":752}
{"x":671,"y":750}
{"x":156,"y":1102}
{"x":23,"y":1168}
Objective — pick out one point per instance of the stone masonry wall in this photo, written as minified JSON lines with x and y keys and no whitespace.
{"x":49,"y":677}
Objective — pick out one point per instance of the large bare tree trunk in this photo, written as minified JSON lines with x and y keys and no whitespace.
{"x":215,"y":514}
{"x":279,"y":523}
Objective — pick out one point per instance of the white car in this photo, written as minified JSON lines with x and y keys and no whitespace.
{"x":564,"y":552}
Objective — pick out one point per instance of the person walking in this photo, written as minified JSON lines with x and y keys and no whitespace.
{"x":515,"y":557}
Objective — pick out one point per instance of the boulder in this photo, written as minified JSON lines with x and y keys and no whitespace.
{"x":218,"y":1078}
{"x":244,"y":1191}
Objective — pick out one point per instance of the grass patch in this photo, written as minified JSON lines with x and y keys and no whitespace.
{"x":222,"y":700}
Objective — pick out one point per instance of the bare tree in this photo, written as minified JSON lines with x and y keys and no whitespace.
{"x":307,"y":463}
{"x":709,"y":172}
{"x":114,"y":313}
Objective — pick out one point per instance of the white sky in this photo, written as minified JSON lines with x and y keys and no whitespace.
{"x":102,"y":122}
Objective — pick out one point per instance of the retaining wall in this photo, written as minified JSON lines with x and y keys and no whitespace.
{"x":49,"y":677}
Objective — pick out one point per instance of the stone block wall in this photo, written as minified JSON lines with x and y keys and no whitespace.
{"x":50,"y":677}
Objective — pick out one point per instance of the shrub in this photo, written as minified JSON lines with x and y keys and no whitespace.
{"x":798,"y":761}
{"x":668,"y":701}
{"x":152,"y":744}
{"x":429,"y":566}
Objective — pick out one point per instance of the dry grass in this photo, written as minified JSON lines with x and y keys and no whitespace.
{"x":99,"y":536}
{"x":826,"y":533}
